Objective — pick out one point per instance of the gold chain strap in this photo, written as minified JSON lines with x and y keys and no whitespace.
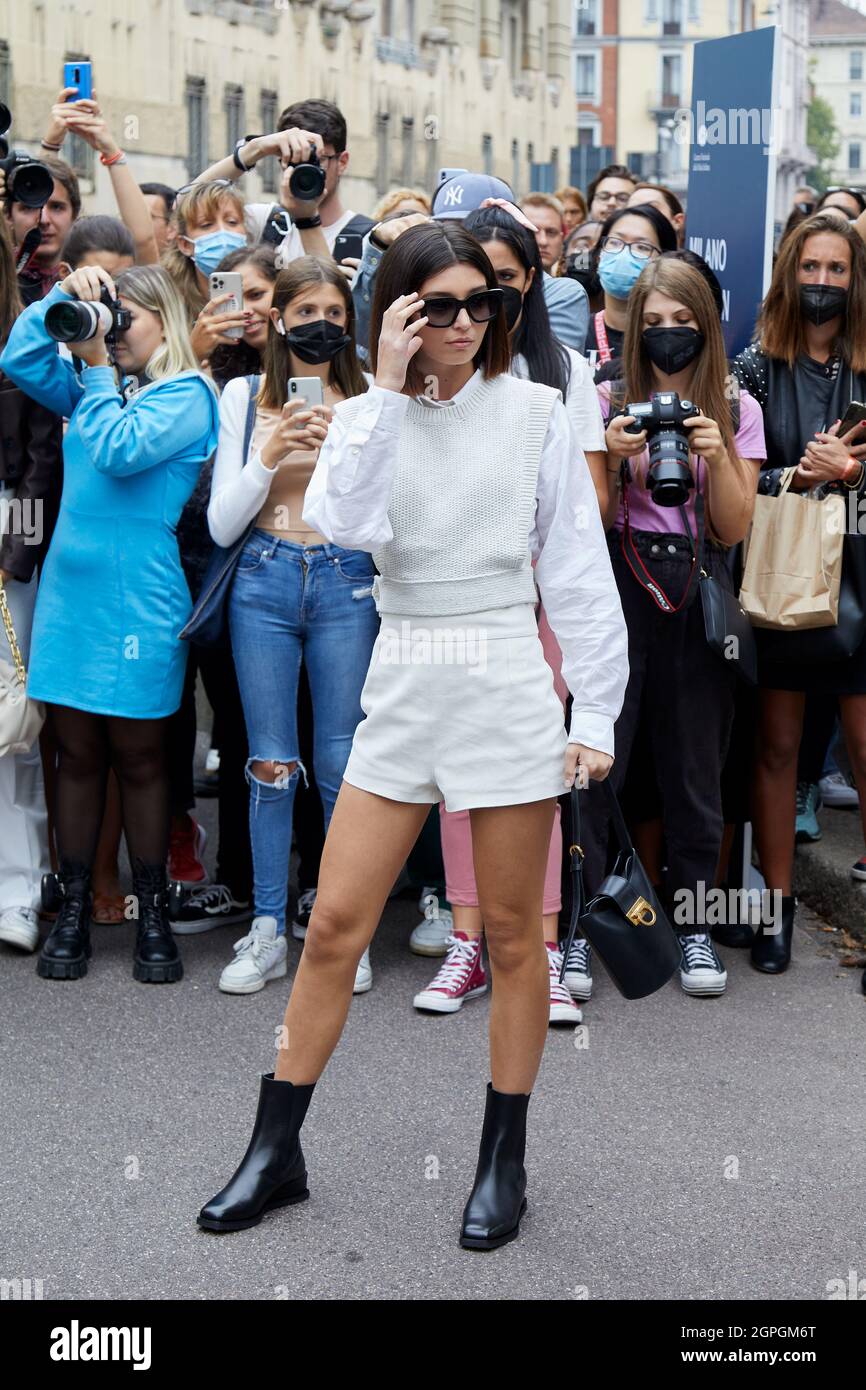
{"x":10,"y":635}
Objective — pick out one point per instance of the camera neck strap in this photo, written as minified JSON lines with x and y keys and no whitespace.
{"x":639,"y":569}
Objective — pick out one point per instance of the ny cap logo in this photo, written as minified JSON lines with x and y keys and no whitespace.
{"x":453,"y":195}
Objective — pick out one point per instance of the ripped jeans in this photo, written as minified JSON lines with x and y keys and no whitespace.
{"x":290,"y":602}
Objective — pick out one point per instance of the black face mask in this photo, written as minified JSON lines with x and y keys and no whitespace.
{"x":512,"y":302}
{"x":317,"y":342}
{"x":590,"y":281}
{"x":820,"y":303}
{"x":672,"y":349}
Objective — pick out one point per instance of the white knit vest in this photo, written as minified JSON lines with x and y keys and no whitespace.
{"x":463,"y":500}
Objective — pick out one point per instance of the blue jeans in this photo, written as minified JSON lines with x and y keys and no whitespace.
{"x":290,"y":602}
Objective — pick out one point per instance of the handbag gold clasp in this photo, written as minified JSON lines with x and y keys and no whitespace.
{"x":572,"y":849}
{"x":641,"y":913}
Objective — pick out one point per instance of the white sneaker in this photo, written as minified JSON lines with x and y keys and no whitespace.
{"x":431,"y":937}
{"x":363,"y":975}
{"x":578,"y":969}
{"x":562,"y":1007}
{"x":701,"y":972}
{"x":837,"y":791}
{"x":19,"y":926}
{"x":259,"y":957}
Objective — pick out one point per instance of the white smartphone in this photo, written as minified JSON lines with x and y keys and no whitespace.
{"x":306,"y":388}
{"x":228,"y":282}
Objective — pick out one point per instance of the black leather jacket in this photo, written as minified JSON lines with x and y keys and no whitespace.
{"x":31,"y":461}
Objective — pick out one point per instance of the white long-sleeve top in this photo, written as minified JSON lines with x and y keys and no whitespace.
{"x":347,"y":502}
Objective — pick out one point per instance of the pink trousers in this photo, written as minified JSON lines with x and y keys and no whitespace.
{"x":460,"y":886}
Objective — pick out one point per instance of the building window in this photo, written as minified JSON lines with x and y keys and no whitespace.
{"x":672,"y":16}
{"x":694,"y":11}
{"x":855,"y":65}
{"x":408,"y":132}
{"x":431,"y":175}
{"x":387,"y":27}
{"x":586,"y":18}
{"x":196,"y":126}
{"x":5,"y":74}
{"x":383,"y":176}
{"x":585,"y":70}
{"x":515,"y":168}
{"x":672,"y":68}
{"x":854,"y":155}
{"x":268,"y":169}
{"x":855,"y":104}
{"x":651,"y":11}
{"x":487,"y":153}
{"x":513,"y":49}
{"x":233,"y":104}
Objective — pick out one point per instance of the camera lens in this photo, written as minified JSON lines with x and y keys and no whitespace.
{"x":31,"y":184}
{"x":307,"y":181}
{"x":75,"y":322}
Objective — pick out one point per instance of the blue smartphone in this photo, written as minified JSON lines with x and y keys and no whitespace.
{"x":79,"y":75}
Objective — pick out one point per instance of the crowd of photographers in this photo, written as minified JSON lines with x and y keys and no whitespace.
{"x":167,"y":379}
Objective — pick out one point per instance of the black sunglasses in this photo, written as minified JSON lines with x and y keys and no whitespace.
{"x":482,"y":306}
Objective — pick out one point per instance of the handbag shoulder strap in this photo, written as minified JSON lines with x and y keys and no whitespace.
{"x":17,"y":659}
{"x":253,"y":384}
{"x":639,"y":569}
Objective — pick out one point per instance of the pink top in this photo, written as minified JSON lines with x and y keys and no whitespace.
{"x":644,"y":513}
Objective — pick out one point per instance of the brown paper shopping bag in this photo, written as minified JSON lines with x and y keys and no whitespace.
{"x":793,"y":564}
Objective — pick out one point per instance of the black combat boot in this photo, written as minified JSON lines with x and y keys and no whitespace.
{"x":66,"y":950}
{"x":157,"y":958}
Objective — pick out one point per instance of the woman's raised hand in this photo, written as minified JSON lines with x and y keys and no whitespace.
{"x":87,"y":283}
{"x":619,"y":442}
{"x":398,"y":341}
{"x":301,"y":427}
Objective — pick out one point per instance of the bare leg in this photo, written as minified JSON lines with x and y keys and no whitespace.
{"x":367,"y":844}
{"x":853,"y":711}
{"x":510,"y":846}
{"x":780,"y":728}
{"x":467,"y":920}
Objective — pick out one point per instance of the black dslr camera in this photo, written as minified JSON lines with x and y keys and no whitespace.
{"x":27,"y":181}
{"x":307,"y":181}
{"x":669,"y":477}
{"x":76,"y":320}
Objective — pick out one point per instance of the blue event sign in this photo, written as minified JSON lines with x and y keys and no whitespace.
{"x":732,"y":172}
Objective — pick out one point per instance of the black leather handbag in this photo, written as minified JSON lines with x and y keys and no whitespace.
{"x":624,"y":922}
{"x":207,"y":622}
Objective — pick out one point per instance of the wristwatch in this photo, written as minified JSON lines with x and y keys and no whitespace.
{"x":239,"y":144}
{"x":304,"y":223}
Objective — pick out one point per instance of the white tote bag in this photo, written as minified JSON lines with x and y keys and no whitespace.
{"x":20,"y":717}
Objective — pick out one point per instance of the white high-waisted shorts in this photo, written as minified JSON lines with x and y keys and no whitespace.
{"x":462,"y":709}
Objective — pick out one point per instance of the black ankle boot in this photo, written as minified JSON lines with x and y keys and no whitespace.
{"x":771,"y":952}
{"x":272,"y":1172}
{"x":66,"y":950}
{"x":157,"y":959}
{"x":492,"y":1215}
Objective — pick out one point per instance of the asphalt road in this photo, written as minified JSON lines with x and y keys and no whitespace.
{"x":688,"y":1149}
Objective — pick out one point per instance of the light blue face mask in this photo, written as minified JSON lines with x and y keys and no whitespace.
{"x":618,"y":273}
{"x":213,"y":247}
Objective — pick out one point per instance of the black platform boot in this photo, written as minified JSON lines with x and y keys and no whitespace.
{"x":157,"y":959}
{"x":772,"y":952}
{"x":66,"y":950}
{"x":272,"y":1172}
{"x":492,"y":1215}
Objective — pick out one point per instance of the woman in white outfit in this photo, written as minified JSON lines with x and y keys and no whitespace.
{"x":31,"y":470}
{"x":455,"y":475}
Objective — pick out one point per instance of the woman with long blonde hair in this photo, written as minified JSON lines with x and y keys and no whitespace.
{"x":106,"y":657}
{"x":673,"y":344}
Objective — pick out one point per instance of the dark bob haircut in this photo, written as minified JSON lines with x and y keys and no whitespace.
{"x":411,"y":260}
{"x":665,"y":234}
